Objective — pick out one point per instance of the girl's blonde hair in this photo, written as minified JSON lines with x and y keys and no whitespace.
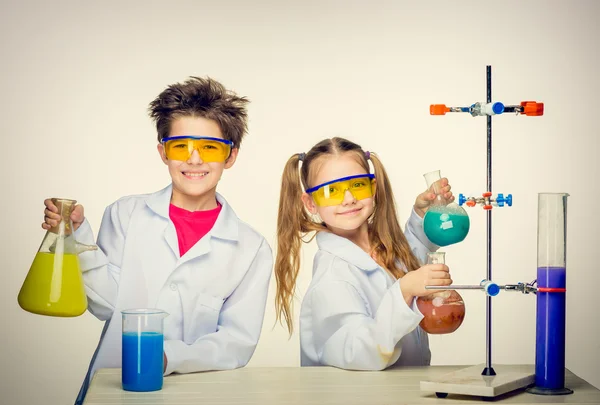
{"x":387,"y":241}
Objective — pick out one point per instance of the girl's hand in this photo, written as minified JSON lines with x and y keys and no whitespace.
{"x":413,"y":283}
{"x":424,"y":200}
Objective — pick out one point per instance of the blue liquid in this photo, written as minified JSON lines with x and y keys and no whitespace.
{"x":142,"y":361}
{"x":445,"y":227}
{"x":550,"y":329}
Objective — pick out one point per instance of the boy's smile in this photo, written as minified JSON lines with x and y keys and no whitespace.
{"x":194,"y":175}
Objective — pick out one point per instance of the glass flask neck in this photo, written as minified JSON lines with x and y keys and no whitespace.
{"x":60,"y":238}
{"x":431,"y":178}
{"x":65,"y":209}
{"x":436,"y":257}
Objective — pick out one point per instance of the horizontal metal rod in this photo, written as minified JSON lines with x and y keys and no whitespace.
{"x":454,"y":287}
{"x":461,"y":287}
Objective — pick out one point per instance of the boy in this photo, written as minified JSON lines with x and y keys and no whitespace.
{"x":181,"y":249}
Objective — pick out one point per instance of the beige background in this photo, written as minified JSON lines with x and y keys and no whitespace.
{"x":77,"y":78}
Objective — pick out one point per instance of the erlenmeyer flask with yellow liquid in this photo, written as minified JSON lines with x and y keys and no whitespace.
{"x":54,"y":284}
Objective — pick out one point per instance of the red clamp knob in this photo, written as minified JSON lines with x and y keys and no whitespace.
{"x":487,"y":207}
{"x":487,"y":194}
{"x":551,"y":290}
{"x":532,"y":108}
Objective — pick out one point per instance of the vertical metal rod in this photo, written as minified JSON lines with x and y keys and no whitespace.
{"x":488,"y":332}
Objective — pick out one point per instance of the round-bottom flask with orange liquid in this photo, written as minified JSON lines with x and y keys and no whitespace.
{"x":443,"y":311}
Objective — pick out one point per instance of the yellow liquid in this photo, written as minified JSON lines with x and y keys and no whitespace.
{"x":53,"y":286}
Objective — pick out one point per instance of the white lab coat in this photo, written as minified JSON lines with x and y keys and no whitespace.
{"x":353,"y":315}
{"x":215,"y":293}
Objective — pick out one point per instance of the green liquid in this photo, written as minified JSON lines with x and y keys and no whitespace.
{"x":444,"y":227}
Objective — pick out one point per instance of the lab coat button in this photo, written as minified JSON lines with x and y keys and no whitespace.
{"x":173,"y":287}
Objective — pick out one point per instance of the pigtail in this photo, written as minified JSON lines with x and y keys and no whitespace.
{"x":292,"y":223}
{"x":386,"y":236}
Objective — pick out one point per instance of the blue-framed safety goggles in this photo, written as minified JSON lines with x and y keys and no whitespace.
{"x":210,"y":149}
{"x":332,"y":192}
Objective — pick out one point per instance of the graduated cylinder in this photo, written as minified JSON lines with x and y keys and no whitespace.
{"x":551,"y":294}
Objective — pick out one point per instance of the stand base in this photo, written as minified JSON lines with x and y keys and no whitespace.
{"x":549,"y":391}
{"x":488,"y":371}
{"x":470,"y":381}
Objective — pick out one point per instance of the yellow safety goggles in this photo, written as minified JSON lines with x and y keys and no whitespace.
{"x":332,"y":192}
{"x":209,"y":149}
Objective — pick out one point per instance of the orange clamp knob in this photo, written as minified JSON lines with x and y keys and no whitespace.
{"x":487,"y":207}
{"x":438,"y":109}
{"x":487,"y":194}
{"x":470,"y":203}
{"x":532,"y":109}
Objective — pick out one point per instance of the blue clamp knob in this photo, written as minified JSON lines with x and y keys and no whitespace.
{"x":501,"y":200}
{"x":490,"y":288}
{"x":461,"y":199}
{"x":498,"y":108}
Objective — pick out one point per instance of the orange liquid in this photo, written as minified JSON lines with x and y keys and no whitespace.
{"x":443,"y":312}
{"x":53,"y":286}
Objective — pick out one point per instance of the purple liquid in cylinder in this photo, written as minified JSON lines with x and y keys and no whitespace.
{"x":550,"y":332}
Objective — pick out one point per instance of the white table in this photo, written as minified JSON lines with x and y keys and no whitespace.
{"x":312,"y":385}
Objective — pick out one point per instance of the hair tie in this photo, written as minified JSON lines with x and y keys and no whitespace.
{"x":301,"y":156}
{"x":368,"y":155}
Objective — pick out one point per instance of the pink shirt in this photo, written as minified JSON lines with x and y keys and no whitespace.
{"x":192,"y":226}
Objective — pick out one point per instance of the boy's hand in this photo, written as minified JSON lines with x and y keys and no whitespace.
{"x":424,"y":200}
{"x":164,"y":362}
{"x":52,"y":217}
{"x":413,"y":283}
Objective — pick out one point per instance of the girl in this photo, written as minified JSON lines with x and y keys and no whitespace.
{"x":359,"y":311}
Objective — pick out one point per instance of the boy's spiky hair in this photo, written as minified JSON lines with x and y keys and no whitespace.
{"x":201,"y":97}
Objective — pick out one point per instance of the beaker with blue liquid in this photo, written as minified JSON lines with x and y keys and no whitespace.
{"x":445,"y":223}
{"x":142,"y":349}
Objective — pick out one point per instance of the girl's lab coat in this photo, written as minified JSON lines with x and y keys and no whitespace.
{"x":353,"y":315}
{"x":215,"y":293}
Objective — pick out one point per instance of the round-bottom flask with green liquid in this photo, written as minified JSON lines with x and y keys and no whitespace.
{"x":444,"y":223}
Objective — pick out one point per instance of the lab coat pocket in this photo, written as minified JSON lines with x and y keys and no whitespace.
{"x":204,"y":317}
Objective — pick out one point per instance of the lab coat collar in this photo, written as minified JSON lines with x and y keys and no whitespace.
{"x":225,"y":227}
{"x":227,"y":224}
{"x":346,"y":250}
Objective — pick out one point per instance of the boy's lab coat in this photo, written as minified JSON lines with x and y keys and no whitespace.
{"x":215,"y":293}
{"x":353,"y":315}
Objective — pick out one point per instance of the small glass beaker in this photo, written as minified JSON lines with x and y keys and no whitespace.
{"x":143,"y":349}
{"x":444,"y":223}
{"x":443,"y":311}
{"x":54,"y":284}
